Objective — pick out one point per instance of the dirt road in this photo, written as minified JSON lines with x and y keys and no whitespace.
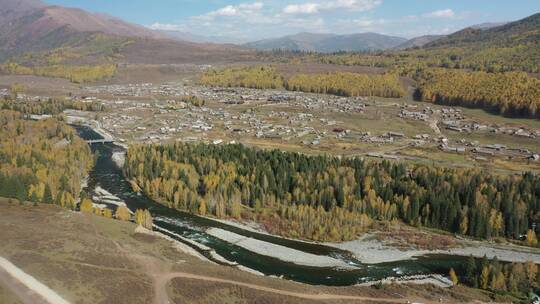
{"x":307,"y":296}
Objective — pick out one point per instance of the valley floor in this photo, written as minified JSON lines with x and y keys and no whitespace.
{"x":376,"y":247}
{"x":90,"y":259}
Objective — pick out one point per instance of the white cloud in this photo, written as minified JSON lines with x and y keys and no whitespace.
{"x":318,"y":7}
{"x":446,"y":13}
{"x":369,"y":22}
{"x":307,"y":8}
{"x":166,"y":27}
{"x":235,"y":10}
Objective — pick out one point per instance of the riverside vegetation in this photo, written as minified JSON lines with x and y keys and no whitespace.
{"x":41,"y":161}
{"x":325,"y":198}
{"x":517,"y":279}
{"x":45,"y":162}
{"x":50,"y":106}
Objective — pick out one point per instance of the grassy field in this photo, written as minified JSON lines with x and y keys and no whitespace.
{"x":90,"y":259}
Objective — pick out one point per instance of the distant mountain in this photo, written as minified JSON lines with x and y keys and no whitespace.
{"x":329,"y":43}
{"x":509,"y":34}
{"x":189,"y":37}
{"x":487,"y":25}
{"x":418,"y":41}
{"x":29,"y":26}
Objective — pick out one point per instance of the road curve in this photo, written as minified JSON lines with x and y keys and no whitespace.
{"x":307,"y":296}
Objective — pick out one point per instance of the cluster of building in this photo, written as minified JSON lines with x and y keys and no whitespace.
{"x":155,"y":113}
{"x":484,"y":152}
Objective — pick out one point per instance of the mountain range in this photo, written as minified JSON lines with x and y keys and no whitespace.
{"x":329,"y":43}
{"x":30,"y":26}
{"x":526,"y":30}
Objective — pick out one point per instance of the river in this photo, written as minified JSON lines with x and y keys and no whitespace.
{"x":108,"y":176}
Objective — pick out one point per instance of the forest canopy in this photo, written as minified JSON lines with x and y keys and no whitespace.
{"x":511,"y":94}
{"x":257,"y":77}
{"x":330,"y":199}
{"x":74,"y":73}
{"x":49,"y":106}
{"x":348,"y":84}
{"x":41,"y":161}
{"x":337,"y":83}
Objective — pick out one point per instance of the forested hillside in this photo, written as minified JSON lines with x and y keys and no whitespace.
{"x":326,"y":198}
{"x":348,"y":84}
{"x":74,"y":73}
{"x":522,"y":31}
{"x":510,"y":94}
{"x":41,"y":161}
{"x":337,"y":83}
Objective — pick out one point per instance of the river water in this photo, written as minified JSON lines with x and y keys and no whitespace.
{"x":108,"y":176}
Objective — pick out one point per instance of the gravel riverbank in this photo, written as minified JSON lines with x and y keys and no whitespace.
{"x":277,"y":251}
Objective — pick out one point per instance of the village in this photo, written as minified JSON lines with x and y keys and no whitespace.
{"x":303,"y":122}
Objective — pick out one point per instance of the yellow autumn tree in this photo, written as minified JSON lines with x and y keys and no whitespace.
{"x":202,"y":208}
{"x":144,"y":218}
{"x":453,"y":276}
{"x":531,"y":238}
{"x":87,"y":206}
{"x":122,"y":214}
{"x":107,"y":213}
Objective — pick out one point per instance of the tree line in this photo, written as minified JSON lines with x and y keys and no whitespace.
{"x":337,"y":83}
{"x":257,"y":77}
{"x":49,"y":106}
{"x":122,"y":213}
{"x":74,"y":73}
{"x":328,"y":198}
{"x":493,"y":58}
{"x":41,"y":161}
{"x":347,"y":84}
{"x":512,"y":94}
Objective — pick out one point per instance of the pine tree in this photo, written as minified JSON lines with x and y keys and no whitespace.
{"x":47,"y":195}
{"x":471,"y":271}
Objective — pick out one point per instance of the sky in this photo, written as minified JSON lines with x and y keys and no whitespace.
{"x":261,"y":19}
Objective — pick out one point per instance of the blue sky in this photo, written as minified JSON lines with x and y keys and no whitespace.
{"x":258,"y":19}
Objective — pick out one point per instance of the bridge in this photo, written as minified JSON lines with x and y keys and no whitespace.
{"x":99,"y":141}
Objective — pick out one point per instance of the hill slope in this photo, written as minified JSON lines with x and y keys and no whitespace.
{"x":510,"y":34}
{"x":33,"y":34}
{"x":329,"y":43}
{"x":418,"y":41}
{"x":29,"y":25}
